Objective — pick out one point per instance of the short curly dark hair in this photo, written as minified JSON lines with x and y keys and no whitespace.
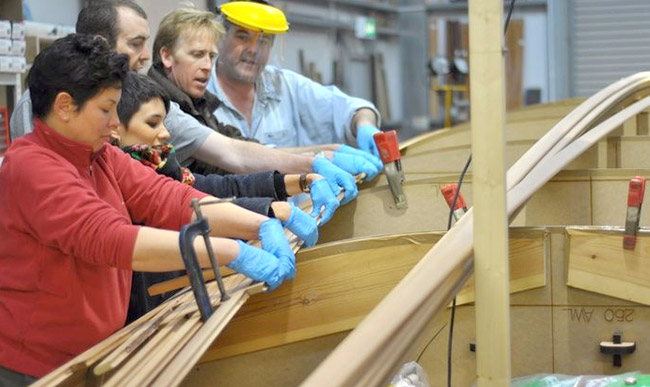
{"x":79,"y":64}
{"x":137,"y":90}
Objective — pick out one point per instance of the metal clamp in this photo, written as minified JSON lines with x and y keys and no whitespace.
{"x":188,"y":233}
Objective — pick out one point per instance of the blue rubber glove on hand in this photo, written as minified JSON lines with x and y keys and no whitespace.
{"x":365,"y":141}
{"x":259,"y":265}
{"x":355,"y":164}
{"x":275,"y":242}
{"x":303,"y":225}
{"x":336,"y":177}
{"x":376,"y":161}
{"x":322,"y":196}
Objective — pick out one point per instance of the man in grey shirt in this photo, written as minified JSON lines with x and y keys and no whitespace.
{"x":127,"y":31}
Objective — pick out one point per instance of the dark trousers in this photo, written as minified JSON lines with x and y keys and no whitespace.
{"x":10,"y":378}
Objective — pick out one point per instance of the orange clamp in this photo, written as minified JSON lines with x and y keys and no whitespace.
{"x":388,"y":146}
{"x":448,"y":191}
{"x":634,"y":203}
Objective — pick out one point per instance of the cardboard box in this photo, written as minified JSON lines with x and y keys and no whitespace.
{"x":18,"y":64}
{"x":5,"y":29}
{"x":18,"y":47}
{"x":5,"y":46}
{"x":5,"y":64}
{"x":18,"y":30}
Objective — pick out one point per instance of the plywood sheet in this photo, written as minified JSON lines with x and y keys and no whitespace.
{"x":634,"y":152}
{"x":287,"y":365}
{"x":531,"y":338}
{"x":527,"y":266}
{"x":339,"y":283}
{"x":598,"y":263}
{"x":578,"y":330}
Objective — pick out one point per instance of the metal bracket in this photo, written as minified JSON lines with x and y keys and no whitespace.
{"x":617,"y":347}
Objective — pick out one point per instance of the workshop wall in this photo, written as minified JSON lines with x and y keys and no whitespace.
{"x":55,"y":12}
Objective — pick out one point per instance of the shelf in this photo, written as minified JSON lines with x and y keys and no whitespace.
{"x":317,"y":22}
{"x":13,"y":80}
{"x":462,"y":7}
{"x":360,"y":4}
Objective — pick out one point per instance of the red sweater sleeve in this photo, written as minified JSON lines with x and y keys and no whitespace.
{"x":64,"y":211}
{"x":152,"y":199}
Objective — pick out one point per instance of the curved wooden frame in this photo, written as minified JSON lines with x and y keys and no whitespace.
{"x":369,"y":355}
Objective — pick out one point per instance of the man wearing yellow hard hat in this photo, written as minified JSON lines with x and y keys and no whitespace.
{"x":278,"y":106}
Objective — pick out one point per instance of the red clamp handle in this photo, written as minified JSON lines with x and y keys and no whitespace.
{"x":636,"y":191}
{"x":388,"y":146}
{"x":448,"y":191}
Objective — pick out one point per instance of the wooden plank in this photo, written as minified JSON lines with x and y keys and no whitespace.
{"x":331,"y":293}
{"x":434,"y":100}
{"x":643,"y":124}
{"x":514,"y":62}
{"x":598,"y":263}
{"x":526,"y":268}
{"x":491,"y":272}
{"x":322,"y":301}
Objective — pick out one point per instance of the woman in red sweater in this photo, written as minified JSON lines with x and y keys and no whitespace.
{"x":68,"y":204}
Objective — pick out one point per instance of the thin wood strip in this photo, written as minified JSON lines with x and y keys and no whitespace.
{"x":179,"y":323}
{"x":546,"y":143}
{"x":178,"y":368}
{"x":166,"y":352}
{"x":137,"y":338}
{"x":378,"y":335}
{"x":81,"y":363}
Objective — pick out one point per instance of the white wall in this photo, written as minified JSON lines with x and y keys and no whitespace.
{"x":55,"y":12}
{"x":536,"y":54}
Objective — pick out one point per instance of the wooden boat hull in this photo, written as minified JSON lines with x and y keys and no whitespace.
{"x":275,"y":344}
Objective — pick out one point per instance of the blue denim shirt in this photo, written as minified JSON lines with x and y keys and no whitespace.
{"x":291,"y":110}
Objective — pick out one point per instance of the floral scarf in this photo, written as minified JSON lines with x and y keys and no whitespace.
{"x":162,"y":159}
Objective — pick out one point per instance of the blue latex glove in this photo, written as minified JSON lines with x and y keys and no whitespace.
{"x":336,"y":177}
{"x":322,"y":196}
{"x":355,"y":164}
{"x":365,"y":141}
{"x":376,"y":161}
{"x":303,"y":225}
{"x":275,"y":242}
{"x":259,"y":265}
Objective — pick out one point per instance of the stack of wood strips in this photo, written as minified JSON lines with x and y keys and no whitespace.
{"x":160,"y":348}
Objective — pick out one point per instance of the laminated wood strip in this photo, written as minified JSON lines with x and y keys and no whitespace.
{"x":373,"y":350}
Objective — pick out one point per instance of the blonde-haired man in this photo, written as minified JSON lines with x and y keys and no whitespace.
{"x":185,"y":48}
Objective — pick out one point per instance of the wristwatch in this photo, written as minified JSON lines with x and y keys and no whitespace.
{"x":303,"y":183}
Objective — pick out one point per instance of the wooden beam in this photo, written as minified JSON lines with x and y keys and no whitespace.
{"x":487,"y":99}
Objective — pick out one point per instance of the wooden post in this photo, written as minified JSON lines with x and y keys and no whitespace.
{"x":487,"y":103}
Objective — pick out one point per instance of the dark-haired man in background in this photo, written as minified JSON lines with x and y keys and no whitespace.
{"x":193,"y":141}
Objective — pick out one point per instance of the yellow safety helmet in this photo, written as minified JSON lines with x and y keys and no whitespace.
{"x":255,"y":16}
